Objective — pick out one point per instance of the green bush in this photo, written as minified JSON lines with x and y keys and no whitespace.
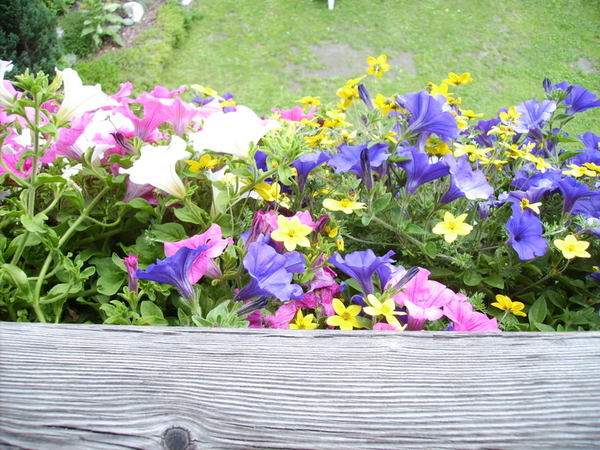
{"x":28,"y":36}
{"x":58,"y":6}
{"x":142,"y":63}
{"x":72,"y":41}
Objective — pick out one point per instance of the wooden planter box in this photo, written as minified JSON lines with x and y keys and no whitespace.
{"x":112,"y":387}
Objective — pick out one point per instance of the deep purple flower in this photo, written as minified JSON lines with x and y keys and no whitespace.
{"x":419,"y":170}
{"x":427,"y":115}
{"x":306,"y":164}
{"x":534,"y":114}
{"x":361,"y":266}
{"x":174,"y":270}
{"x":572,"y":190}
{"x":579,"y":98}
{"x":271,"y":273}
{"x":348,"y":158}
{"x":364,"y":95}
{"x":464,"y":181}
{"x":525,"y":234}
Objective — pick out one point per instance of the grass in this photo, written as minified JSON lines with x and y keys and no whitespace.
{"x":271,"y":53}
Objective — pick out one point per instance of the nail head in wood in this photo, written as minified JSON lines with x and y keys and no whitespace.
{"x":176,"y":438}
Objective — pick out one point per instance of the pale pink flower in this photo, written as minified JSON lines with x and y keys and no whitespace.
{"x":296,"y":114}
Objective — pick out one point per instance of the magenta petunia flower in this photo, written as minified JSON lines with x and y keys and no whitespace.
{"x":204,"y":263}
{"x":424,"y":299}
{"x":463,"y":318}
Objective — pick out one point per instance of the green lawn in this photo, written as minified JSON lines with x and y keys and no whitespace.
{"x":272,"y":52}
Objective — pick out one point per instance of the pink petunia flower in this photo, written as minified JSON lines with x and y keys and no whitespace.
{"x":461,"y":313}
{"x":204,"y":264}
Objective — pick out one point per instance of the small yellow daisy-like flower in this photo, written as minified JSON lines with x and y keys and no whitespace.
{"x":331,"y":232}
{"x":578,"y":171}
{"x":346,"y":205}
{"x":291,"y":232}
{"x":510,"y":116}
{"x":506,"y":304}
{"x":309,"y":101}
{"x":302,"y":322}
{"x":349,"y":94}
{"x":387,"y":309}
{"x":206,"y":162}
{"x":377,"y":65}
{"x":452,"y":227}
{"x":345,"y":317}
{"x":437,"y":147}
{"x":442,"y":89}
{"x":458,"y":80}
{"x":335,"y":119}
{"x":535,"y":207}
{"x":571,"y":247}
{"x":269,"y":192}
{"x":593,"y":167}
{"x":339,"y":242}
{"x":209,"y":92}
{"x":469,"y":114}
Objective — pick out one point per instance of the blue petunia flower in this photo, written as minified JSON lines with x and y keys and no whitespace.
{"x":361,"y":266}
{"x":419,"y":170}
{"x":525,"y":234}
{"x":348,"y":158}
{"x":306,"y":164}
{"x":464,"y":181}
{"x":534,"y":115}
{"x":271,"y":273}
{"x":427,"y":115}
{"x":174,"y":270}
{"x":572,"y":190}
{"x":579,"y":98}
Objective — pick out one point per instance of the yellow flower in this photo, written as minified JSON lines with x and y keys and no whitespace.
{"x":205,"y":162}
{"x":301,"y":322}
{"x":387,"y":309}
{"x":331,"y":232}
{"x":506,"y":304}
{"x":321,"y":138}
{"x":346,"y":205}
{"x":469,"y":114}
{"x":474,"y":152}
{"x":291,"y":232}
{"x":535,"y":207}
{"x":345,"y":317}
{"x":339,"y":242}
{"x":578,"y":171}
{"x":571,"y":247}
{"x":442,"y":89}
{"x":269,"y":192}
{"x":335,"y":119}
{"x":377,"y":65}
{"x":309,"y":101}
{"x":354,"y":81}
{"x":437,"y":147}
{"x":510,"y":116}
{"x":458,"y":80}
{"x":452,"y":227}
{"x":386,"y":104}
{"x":209,"y":92}
{"x":349,"y":94}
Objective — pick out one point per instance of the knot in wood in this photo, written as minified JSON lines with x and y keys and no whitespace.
{"x":176,"y":438}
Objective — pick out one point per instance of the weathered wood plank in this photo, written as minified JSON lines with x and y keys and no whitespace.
{"x":105,"y":387}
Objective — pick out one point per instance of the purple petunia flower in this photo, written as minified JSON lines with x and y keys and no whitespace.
{"x":427,"y":115}
{"x":361,"y":266}
{"x":174,"y":270}
{"x":464,"y":181}
{"x":419,"y":170}
{"x":348,"y":158}
{"x":572,"y":190}
{"x":307,"y":163}
{"x":271,"y":273}
{"x":579,"y":98}
{"x":525,"y":234}
{"x":484,"y":126}
{"x":534,"y":115}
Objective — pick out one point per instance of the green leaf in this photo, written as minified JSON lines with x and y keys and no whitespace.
{"x":168,"y":232}
{"x":431,"y":249}
{"x":139,"y":203}
{"x":35,"y":224}
{"x":17,"y":278}
{"x":222,"y":201}
{"x":192,"y":214}
{"x":538,"y":311}
{"x":495,"y":281}
{"x":414,"y":229}
{"x":366,"y":219}
{"x":148,"y":308}
{"x":381,"y":203}
{"x":46,"y":178}
{"x":471,"y":278}
{"x":543,"y":326}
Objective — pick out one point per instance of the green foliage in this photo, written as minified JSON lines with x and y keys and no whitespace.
{"x":28,"y":36}
{"x":59,"y":6}
{"x":142,"y":63}
{"x":72,"y":39}
{"x":100,"y":21}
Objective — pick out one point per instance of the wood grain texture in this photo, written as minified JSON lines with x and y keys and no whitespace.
{"x":108,"y":387}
